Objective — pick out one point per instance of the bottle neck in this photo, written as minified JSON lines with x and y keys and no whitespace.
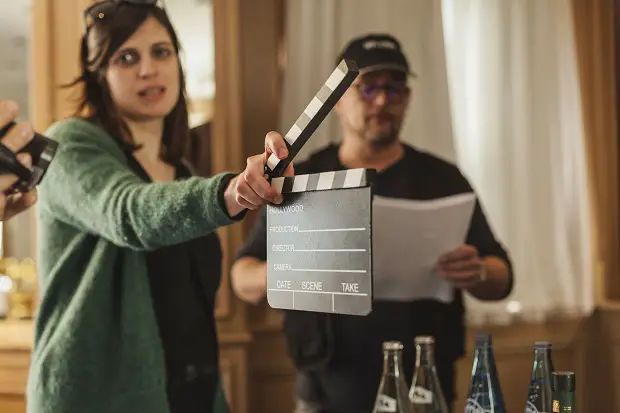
{"x":484,"y":356}
{"x":542,"y":363}
{"x":392,"y":364}
{"x":425,"y":356}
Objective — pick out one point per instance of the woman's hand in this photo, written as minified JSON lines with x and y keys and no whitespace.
{"x":16,"y":138}
{"x":250,"y":189}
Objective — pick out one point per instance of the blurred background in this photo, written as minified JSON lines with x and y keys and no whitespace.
{"x":522,"y":95}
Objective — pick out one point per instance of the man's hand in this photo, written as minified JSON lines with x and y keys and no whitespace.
{"x":462,"y":267}
{"x":250,"y":189}
{"x":15,"y":139}
{"x":485,"y":278}
{"x":249,"y":279}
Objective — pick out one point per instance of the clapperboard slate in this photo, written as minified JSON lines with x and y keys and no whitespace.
{"x":319,"y":240}
{"x":319,"y":243}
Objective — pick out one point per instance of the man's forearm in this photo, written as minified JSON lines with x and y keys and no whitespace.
{"x":497,"y":280}
{"x":249,"y":279}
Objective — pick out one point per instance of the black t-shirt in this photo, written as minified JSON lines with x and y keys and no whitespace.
{"x":348,"y":377}
{"x":184,"y":279}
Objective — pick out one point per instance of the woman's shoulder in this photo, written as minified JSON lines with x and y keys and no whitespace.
{"x":70,"y":127}
{"x":80,"y":133}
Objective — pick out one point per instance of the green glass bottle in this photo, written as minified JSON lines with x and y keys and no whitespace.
{"x":484,"y":394}
{"x":540,"y":394}
{"x":563,"y":385}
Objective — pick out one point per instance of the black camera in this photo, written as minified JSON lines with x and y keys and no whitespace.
{"x":40,"y":148}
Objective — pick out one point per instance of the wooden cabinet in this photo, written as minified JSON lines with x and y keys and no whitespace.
{"x":258,"y":377}
{"x":15,"y":348}
{"x":234,"y":366}
{"x":15,"y":339}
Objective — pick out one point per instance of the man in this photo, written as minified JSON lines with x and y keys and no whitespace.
{"x":16,"y":138}
{"x":339,"y":357}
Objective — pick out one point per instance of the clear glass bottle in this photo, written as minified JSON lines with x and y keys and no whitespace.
{"x":484,"y":394}
{"x":563,"y":385}
{"x":539,"y":397}
{"x":425,"y":393}
{"x":392,"y":394}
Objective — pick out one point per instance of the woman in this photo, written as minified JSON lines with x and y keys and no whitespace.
{"x":129,"y":262}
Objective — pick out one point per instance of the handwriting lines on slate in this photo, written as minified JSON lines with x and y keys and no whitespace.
{"x":328,"y":250}
{"x":324,"y":270}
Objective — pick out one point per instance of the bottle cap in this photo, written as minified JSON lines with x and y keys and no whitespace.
{"x":424,"y":340}
{"x":542,"y":344}
{"x":392,"y":345}
{"x":563,"y":381}
{"x":484,"y":340}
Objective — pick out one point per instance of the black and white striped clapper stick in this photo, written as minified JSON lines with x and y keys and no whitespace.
{"x":316,"y":111}
{"x":324,"y":181}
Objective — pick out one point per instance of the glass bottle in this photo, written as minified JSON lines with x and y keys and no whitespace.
{"x":539,"y":397}
{"x":392,"y":394}
{"x":484,"y":394}
{"x":563,"y":385}
{"x":425,"y":393}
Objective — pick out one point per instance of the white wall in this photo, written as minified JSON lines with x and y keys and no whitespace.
{"x":193,"y":22}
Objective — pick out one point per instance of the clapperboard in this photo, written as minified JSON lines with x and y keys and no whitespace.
{"x":319,"y":240}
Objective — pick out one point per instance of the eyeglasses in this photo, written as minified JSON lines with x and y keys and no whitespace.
{"x":393,"y":93}
{"x":104,"y":10}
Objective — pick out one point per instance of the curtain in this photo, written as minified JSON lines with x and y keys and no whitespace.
{"x":317,"y":30}
{"x":594,"y":37}
{"x":519,"y":135}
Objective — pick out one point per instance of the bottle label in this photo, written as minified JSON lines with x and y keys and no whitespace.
{"x":530,"y":408}
{"x":385,"y":404}
{"x":563,"y":402}
{"x":422,"y":395}
{"x":473,"y":406}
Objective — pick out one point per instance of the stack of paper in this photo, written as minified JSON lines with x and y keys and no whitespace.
{"x":408,"y":238}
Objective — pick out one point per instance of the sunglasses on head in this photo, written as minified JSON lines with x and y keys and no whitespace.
{"x":104,"y":10}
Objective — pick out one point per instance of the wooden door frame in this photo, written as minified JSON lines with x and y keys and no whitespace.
{"x":227,"y":140}
{"x":615,"y":284}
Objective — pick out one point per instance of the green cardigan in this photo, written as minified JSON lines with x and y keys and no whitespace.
{"x":97,"y":347}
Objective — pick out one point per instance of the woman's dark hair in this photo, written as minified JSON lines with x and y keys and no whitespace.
{"x":101,"y":41}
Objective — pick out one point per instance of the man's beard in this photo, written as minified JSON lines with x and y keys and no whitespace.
{"x":384,"y":138}
{"x":382,"y":129}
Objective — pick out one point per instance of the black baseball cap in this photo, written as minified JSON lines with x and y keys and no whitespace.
{"x":376,"y":51}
